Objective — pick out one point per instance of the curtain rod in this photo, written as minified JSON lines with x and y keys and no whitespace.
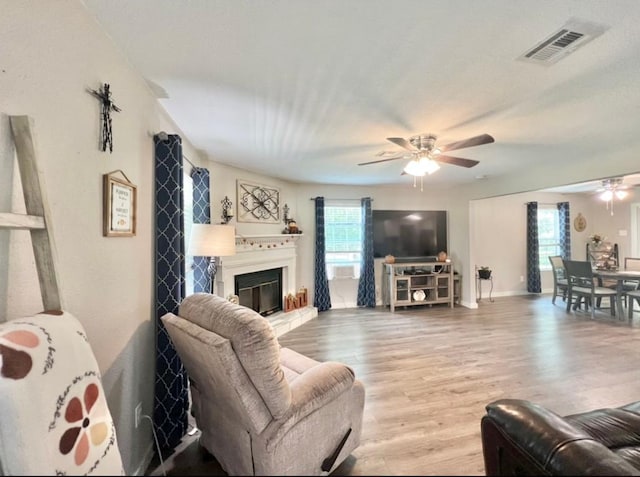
{"x":543,"y":203}
{"x":192,"y":164}
{"x":333,"y":198}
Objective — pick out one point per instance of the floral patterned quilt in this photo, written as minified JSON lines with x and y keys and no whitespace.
{"x":54,"y":418}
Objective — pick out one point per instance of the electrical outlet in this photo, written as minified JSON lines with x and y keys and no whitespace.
{"x":521,"y":279}
{"x":138,"y":414}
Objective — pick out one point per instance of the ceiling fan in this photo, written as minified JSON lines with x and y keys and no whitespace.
{"x":424,"y":154}
{"x":612,"y":188}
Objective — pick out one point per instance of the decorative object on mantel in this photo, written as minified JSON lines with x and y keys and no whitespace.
{"x":580,"y":223}
{"x":107,"y":105}
{"x":285,"y":214}
{"x":212,"y":240}
{"x":227,"y":210}
{"x":258,"y":203}
{"x":292,"y":228}
{"x":264,"y":242}
{"x":389,"y":259}
{"x":119,"y":206}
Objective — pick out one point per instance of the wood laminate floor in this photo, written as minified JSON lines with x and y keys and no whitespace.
{"x":429,"y":372}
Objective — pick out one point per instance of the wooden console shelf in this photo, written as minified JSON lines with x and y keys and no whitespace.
{"x":417,"y":283}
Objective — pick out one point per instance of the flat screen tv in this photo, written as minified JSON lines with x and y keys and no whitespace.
{"x":409,"y":235}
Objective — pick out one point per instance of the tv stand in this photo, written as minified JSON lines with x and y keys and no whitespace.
{"x":417,"y":283}
{"x":399,"y":260}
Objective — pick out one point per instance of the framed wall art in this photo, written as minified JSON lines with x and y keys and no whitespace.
{"x":119,"y":206}
{"x":258,"y":203}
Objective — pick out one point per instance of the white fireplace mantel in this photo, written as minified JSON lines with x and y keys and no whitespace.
{"x":255,"y":253}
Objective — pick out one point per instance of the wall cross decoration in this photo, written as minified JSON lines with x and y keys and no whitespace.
{"x":107,"y":105}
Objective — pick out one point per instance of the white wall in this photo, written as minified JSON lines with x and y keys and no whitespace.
{"x":51,"y":53}
{"x":617,"y":227}
{"x":401,"y":197}
{"x":499,"y":233}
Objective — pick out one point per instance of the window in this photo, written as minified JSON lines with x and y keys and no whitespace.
{"x":548,"y":235}
{"x":343,"y":238}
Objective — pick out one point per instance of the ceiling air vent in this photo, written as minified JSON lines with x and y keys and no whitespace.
{"x":569,"y":38}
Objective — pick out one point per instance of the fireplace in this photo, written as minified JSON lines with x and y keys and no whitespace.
{"x":261,"y":290}
{"x":264,"y":253}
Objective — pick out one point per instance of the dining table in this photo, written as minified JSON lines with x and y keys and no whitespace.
{"x":620,"y":276}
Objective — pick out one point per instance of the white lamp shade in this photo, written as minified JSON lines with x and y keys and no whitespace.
{"x":429,"y":165}
{"x":212,"y":240}
{"x":607,"y":195}
{"x":413,"y":168}
{"x":422,"y":166}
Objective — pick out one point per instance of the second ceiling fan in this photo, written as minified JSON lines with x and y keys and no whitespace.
{"x":425,"y":155}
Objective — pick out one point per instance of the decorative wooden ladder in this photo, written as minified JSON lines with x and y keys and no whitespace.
{"x":38,"y":217}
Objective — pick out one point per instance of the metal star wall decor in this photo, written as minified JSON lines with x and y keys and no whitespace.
{"x":107,"y":105}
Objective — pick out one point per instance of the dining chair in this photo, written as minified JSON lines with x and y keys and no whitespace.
{"x":582,"y":287}
{"x":560,"y":283}
{"x":632,"y":296}
{"x":632,"y":287}
{"x":632,"y":264}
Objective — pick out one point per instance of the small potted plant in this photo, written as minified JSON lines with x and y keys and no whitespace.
{"x":484,"y":273}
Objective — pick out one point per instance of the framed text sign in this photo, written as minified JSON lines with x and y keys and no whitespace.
{"x":119,"y":209}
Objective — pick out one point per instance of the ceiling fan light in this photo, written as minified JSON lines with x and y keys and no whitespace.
{"x":414,"y":168}
{"x":430,"y":166}
{"x":621,"y":194}
{"x":607,"y":195}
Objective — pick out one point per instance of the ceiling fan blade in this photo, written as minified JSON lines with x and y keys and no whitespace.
{"x":383,"y":160}
{"x":387,"y":153}
{"x":472,"y":141}
{"x":402,"y":142}
{"x":457,"y":161}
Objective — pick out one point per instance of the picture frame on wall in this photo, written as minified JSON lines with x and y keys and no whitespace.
{"x":119,"y":207}
{"x":257,"y":203}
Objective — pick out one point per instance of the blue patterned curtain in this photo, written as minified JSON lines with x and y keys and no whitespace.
{"x":565,"y":230}
{"x":201,"y":215}
{"x":322,"y":298}
{"x":367,"y":282}
{"x":171,"y":400}
{"x":533,"y":265}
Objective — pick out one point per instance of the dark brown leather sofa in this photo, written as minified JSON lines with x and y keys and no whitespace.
{"x":523,"y":438}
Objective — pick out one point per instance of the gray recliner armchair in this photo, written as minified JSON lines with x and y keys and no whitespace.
{"x":263,"y":409}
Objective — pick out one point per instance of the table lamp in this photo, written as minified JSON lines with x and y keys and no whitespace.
{"x":212,"y":240}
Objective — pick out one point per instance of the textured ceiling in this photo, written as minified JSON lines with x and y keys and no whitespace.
{"x":306,"y":90}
